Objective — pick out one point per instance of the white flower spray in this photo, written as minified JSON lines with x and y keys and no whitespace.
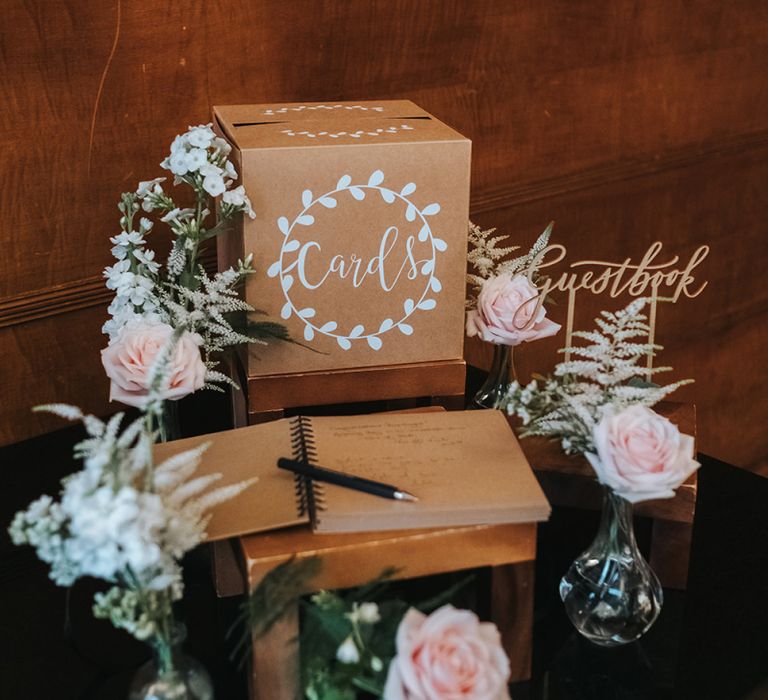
{"x":123,"y":519}
{"x":180,"y":293}
{"x":569,"y":405}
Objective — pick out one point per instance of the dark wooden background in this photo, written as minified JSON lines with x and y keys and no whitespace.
{"x":624,"y":121}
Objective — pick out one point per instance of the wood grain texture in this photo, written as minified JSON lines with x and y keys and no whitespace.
{"x":718,"y":338}
{"x":512,"y":612}
{"x":444,"y":378}
{"x":52,"y":360}
{"x":601,"y":114}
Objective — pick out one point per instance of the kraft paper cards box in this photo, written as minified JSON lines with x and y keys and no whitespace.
{"x":360,"y":238}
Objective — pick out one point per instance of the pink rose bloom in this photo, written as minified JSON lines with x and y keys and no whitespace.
{"x":129,"y":359}
{"x":505,"y":312}
{"x":641,"y":455}
{"x":449,"y":655}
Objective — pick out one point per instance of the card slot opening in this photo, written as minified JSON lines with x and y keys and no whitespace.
{"x":239,"y":124}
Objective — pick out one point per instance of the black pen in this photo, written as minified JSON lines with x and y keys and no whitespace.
{"x":349,"y":481}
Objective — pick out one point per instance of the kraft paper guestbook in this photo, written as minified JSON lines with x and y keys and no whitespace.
{"x":466,"y":467}
{"x":360,"y":237}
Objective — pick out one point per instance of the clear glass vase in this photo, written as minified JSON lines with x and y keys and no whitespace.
{"x":610,"y":593}
{"x":168,"y":427}
{"x":500,"y":376}
{"x":170,"y":674}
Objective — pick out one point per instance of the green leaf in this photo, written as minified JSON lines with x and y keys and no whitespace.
{"x":189,"y":280}
{"x":278,"y":591}
{"x":446,"y":596}
{"x":267,"y":330}
{"x":374,"y":588}
{"x":222,"y":227}
{"x":330,"y":623}
{"x":369,"y":685}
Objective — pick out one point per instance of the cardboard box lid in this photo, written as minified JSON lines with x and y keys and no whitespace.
{"x":302,"y":125}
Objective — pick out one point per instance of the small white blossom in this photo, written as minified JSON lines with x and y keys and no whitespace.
{"x":146,"y":258}
{"x":214,"y":185}
{"x":221,"y":145}
{"x":178,"y":163}
{"x":127,"y":238}
{"x":201,"y":136}
{"x":196,"y":158}
{"x":238,"y":198}
{"x":147,"y":187}
{"x":229,"y":169}
{"x":210,"y":169}
{"x":368,"y":613}
{"x":176,"y":215}
{"x":347,"y":652}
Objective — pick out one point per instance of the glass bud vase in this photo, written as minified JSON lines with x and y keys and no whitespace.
{"x":500,"y":376}
{"x":168,"y":423}
{"x":170,"y":674}
{"x":610,"y":593}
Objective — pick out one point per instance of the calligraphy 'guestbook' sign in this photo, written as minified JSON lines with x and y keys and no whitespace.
{"x":359,"y":242}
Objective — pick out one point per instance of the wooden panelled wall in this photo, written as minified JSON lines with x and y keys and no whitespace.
{"x":624,"y":121}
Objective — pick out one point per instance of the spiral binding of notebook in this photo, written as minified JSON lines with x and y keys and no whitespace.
{"x":309,"y":494}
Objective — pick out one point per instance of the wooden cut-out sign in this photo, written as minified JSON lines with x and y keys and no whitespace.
{"x":659,"y":281}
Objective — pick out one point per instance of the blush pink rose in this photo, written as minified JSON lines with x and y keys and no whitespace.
{"x":641,"y":455}
{"x":505,"y":312}
{"x":449,"y":655}
{"x":130,"y":357}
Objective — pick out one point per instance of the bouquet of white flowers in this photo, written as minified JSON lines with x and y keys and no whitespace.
{"x":151,"y":300}
{"x":123,"y":519}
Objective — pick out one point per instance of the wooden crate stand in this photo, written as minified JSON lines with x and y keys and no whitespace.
{"x":352,"y":559}
{"x":442,"y":382}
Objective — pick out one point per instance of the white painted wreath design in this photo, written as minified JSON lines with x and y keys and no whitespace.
{"x":305,"y":219}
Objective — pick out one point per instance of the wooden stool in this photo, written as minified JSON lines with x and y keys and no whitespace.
{"x":356,"y":558}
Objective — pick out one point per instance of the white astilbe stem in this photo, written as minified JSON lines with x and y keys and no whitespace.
{"x":223,"y":494}
{"x":571,"y":403}
{"x":63,"y":410}
{"x":191,"y":488}
{"x":523,"y":262}
{"x":487,"y":259}
{"x":176,"y":469}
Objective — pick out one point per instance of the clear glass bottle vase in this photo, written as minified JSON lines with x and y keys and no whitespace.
{"x":500,"y":376}
{"x":167,"y":424}
{"x":170,"y":674}
{"x":610,"y":593}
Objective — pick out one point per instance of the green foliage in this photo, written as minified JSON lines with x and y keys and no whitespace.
{"x":364,"y":619}
{"x":487,"y":259}
{"x":280,"y":589}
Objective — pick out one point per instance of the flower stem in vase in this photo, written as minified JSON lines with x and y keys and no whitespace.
{"x":610,"y":593}
{"x":500,"y":376}
{"x":170,"y":674}
{"x":168,"y":422}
